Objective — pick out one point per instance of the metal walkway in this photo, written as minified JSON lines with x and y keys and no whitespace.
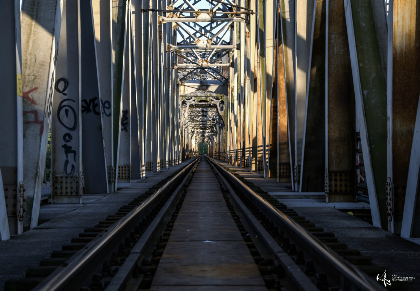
{"x":205,"y":248}
{"x":63,"y":222}
{"x":370,"y":248}
{"x":202,"y":228}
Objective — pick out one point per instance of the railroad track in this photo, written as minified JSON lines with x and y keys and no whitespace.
{"x":130,"y":250}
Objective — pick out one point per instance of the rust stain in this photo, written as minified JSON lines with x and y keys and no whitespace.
{"x":406,"y":89}
{"x":341,"y":119}
{"x":284,"y":156}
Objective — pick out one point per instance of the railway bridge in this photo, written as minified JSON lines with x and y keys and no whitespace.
{"x":209,"y":145}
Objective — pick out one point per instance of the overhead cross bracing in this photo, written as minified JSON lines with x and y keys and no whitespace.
{"x":206,"y":51}
{"x":320,"y":95}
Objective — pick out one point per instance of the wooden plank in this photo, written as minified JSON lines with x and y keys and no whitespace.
{"x":205,"y":247}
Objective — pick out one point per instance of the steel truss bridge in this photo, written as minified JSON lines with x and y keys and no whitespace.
{"x":321,"y":94}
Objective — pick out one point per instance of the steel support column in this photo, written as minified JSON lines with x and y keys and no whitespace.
{"x":366,"y":29}
{"x":66,"y":128}
{"x":40,"y":36}
{"x":340,"y":178}
{"x":313,"y":152}
{"x":93,"y":151}
{"x":11,"y":124}
{"x":123,"y":171}
{"x":403,"y":69}
{"x":102,"y":15}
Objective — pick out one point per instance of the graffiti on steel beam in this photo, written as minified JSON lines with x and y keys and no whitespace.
{"x":67,"y":117}
{"x":124,"y":121}
{"x":90,"y":106}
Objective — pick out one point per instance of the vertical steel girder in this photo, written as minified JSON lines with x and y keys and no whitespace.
{"x":118,"y":31}
{"x":102,"y":15}
{"x":124,"y":140}
{"x":40,"y":35}
{"x":282,"y":140}
{"x":313,"y":153}
{"x":4,"y":221}
{"x":305,"y":18}
{"x":367,"y":43}
{"x":112,"y":76}
{"x":11,"y":123}
{"x":135,"y":132}
{"x":340,"y":179}
{"x":402,"y":101}
{"x":288,"y":36}
{"x":66,"y":128}
{"x":95,"y":173}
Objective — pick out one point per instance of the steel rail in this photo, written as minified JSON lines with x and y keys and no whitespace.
{"x":67,"y":278}
{"x":346,"y":275}
{"x":126,"y":276}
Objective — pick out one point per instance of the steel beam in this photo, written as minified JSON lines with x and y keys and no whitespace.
{"x":403,"y":69}
{"x":118,"y":31}
{"x":4,"y":222}
{"x":269,"y":31}
{"x":148,"y":38}
{"x":66,"y":128}
{"x":40,"y":36}
{"x":283,"y":155}
{"x":313,"y":152}
{"x":11,"y":122}
{"x":288,"y":30}
{"x":369,"y":79}
{"x":102,"y":16}
{"x":135,"y":130}
{"x":203,"y":19}
{"x":410,"y":224}
{"x":254,"y":88}
{"x":124,"y":138}
{"x":155,"y":90}
{"x":340,"y":178}
{"x":93,"y":151}
{"x":138,"y":55}
{"x":305,"y":18}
